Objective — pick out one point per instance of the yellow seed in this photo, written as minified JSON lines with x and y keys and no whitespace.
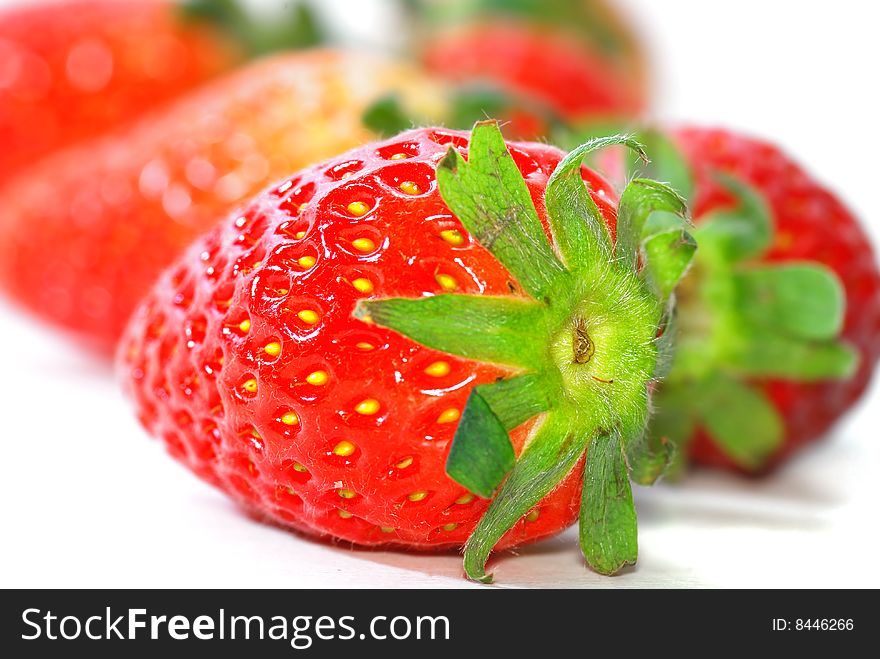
{"x":282,"y":291}
{"x":250,"y":386}
{"x":367,"y":407}
{"x":533,"y":515}
{"x":290,"y":419}
{"x":245,"y":325}
{"x":449,"y":416}
{"x":300,"y":468}
{"x":410,"y":187}
{"x":447,"y":282}
{"x":255,"y":433}
{"x":364,"y":245}
{"x":363,"y":285}
{"x":438,"y":369}
{"x":306,"y":262}
{"x":317,"y":378}
{"x":450,"y":527}
{"x":299,"y":235}
{"x":272,"y":349}
{"x":386,"y":529}
{"x":453,"y":236}
{"x":358,"y":208}
{"x":403,"y":464}
{"x":399,"y":156}
{"x":346,"y":493}
{"x":464,"y":499}
{"x":417,"y":495}
{"x":344,"y":514}
{"x":364,"y":346}
{"x":344,"y":448}
{"x":308,"y":316}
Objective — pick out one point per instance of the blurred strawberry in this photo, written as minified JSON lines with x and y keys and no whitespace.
{"x":71,"y":70}
{"x":779,"y":324}
{"x":577,"y":58}
{"x":84,"y":232}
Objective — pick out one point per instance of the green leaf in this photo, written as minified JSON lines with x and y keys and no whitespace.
{"x":805,"y":300}
{"x":761,"y":353}
{"x":641,"y":198}
{"x":386,"y":116}
{"x":667,"y":163}
{"x":575,"y":221}
{"x":665,"y":440}
{"x":608,"y":527}
{"x":668,"y":256}
{"x":499,"y":330}
{"x":516,"y":400}
{"x":297,"y":28}
{"x":479,"y":101}
{"x":741,"y":420}
{"x":481,"y":454}
{"x":489,"y":196}
{"x":666,"y":342}
{"x":742,"y":232}
{"x":472,"y":104}
{"x":652,"y":458}
{"x":546,"y":460}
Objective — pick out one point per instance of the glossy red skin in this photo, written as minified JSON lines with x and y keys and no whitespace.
{"x":71,"y":70}
{"x":811,"y":224}
{"x":559,"y":70}
{"x":183,"y":358}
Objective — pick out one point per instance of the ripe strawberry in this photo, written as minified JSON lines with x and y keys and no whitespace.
{"x":325,"y":353}
{"x":579,"y":59}
{"x":85,"y":232}
{"x":72,"y":70}
{"x":780,"y":316}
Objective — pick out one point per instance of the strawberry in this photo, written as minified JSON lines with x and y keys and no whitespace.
{"x":779,"y":318}
{"x":112,"y":212}
{"x":72,"y":70}
{"x":347,"y":354}
{"x":578,"y":59}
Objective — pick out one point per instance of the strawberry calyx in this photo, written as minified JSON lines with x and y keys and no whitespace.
{"x":298,"y":28}
{"x":742,"y":320}
{"x":582,"y":336}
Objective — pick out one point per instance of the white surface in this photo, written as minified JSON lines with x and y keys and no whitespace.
{"x":88,"y":500}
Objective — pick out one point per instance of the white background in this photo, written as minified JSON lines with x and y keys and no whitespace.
{"x":88,"y":500}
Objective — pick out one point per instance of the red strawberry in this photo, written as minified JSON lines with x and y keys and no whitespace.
{"x":84,"y":233}
{"x":578,"y":59}
{"x":72,"y":70}
{"x":780,"y":317}
{"x":316,"y":355}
